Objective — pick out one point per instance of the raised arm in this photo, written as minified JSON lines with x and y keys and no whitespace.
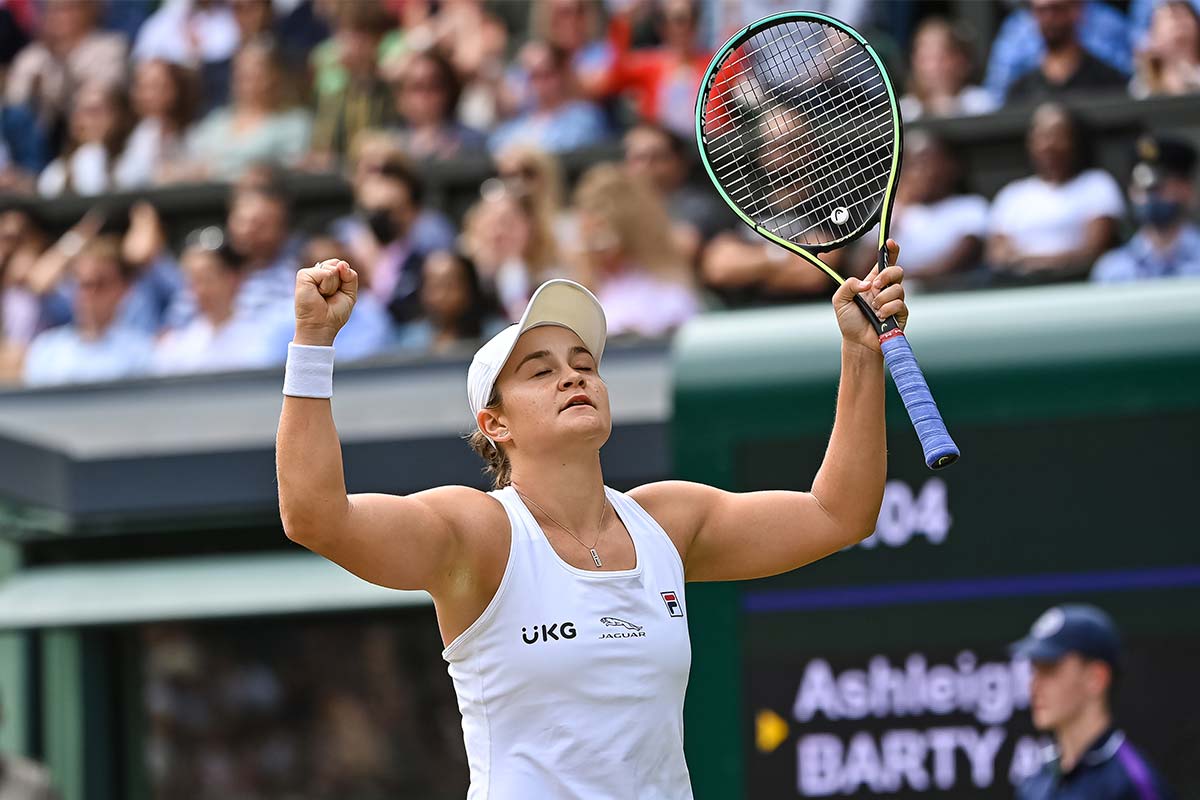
{"x":735,"y":536}
{"x":413,"y":542}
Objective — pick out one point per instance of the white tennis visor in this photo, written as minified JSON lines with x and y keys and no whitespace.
{"x":557,"y":302}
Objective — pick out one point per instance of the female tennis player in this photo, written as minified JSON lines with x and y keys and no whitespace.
{"x":560,"y":601}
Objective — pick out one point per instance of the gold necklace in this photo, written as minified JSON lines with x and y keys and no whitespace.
{"x":600,"y":532}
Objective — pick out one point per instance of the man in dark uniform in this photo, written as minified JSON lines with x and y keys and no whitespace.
{"x":1074,"y":650}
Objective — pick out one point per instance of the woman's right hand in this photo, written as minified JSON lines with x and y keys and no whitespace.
{"x":325,"y":296}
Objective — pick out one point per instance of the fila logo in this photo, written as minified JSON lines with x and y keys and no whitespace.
{"x":564,"y":630}
{"x":672,"y":601}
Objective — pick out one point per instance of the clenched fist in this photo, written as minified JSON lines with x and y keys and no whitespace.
{"x":325,"y":296}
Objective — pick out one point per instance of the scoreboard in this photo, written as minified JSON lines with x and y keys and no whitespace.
{"x":883,"y":671}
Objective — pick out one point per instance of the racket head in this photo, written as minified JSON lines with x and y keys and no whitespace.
{"x":799,"y":129}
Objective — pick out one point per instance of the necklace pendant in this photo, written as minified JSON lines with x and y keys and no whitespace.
{"x":595,"y":557}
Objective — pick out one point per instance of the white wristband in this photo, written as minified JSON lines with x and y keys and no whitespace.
{"x":309,"y":371}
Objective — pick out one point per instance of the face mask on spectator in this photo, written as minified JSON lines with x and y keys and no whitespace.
{"x":380,"y":222}
{"x":1158,"y":212}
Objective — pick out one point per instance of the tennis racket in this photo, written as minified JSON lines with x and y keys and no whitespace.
{"x":799,"y":129}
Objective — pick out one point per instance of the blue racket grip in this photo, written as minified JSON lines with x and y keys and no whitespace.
{"x":940,"y":450}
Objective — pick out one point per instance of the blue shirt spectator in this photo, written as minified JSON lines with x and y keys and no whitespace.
{"x":1018,"y":47}
{"x":1161,"y":193}
{"x":556,"y":121}
{"x":1141,"y":258}
{"x":95,"y":347}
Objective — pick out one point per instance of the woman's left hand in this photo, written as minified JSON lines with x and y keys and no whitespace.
{"x":884,"y":292}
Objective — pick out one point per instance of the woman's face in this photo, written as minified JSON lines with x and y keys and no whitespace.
{"x":600,"y":239}
{"x":254,"y":80}
{"x":93,"y":116}
{"x":937,"y":64}
{"x":445,"y":290}
{"x":154,"y":90}
{"x":552,"y":396}
{"x":422,"y":96}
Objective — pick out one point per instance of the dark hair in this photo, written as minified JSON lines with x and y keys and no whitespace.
{"x":363,"y":16}
{"x":675,"y":143}
{"x":480,"y":304}
{"x":496,"y":461}
{"x":447,"y":75}
{"x":187,"y":93}
{"x":397,"y":169}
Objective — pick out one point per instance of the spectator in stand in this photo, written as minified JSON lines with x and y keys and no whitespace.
{"x":21,"y":242}
{"x":371,"y":152}
{"x":426,"y":96}
{"x":743,"y":269}
{"x":638,"y":275}
{"x":363,"y":100}
{"x":1066,"y":67}
{"x":456,"y":312}
{"x":1162,"y":193}
{"x":943,"y":61}
{"x":256,"y":127}
{"x":195,"y":34}
{"x":558,"y":120}
{"x":575,"y":27}
{"x":475,"y":42}
{"x":665,"y":79}
{"x":98,"y":129}
{"x":69,"y":52}
{"x":513,"y":249}
{"x":218,"y":338}
{"x":388,"y":202}
{"x":942,"y":227}
{"x":164,"y":100}
{"x":535,"y":178}
{"x":1055,"y":223}
{"x":1168,"y":63}
{"x":255,"y":21}
{"x":1019,"y":47}
{"x":94,"y":347}
{"x":259,"y":233}
{"x":660,"y":156}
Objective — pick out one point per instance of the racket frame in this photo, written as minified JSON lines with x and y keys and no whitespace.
{"x":940,"y":450}
{"x":809,"y":253}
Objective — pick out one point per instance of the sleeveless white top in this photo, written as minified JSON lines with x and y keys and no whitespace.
{"x":571,"y":682}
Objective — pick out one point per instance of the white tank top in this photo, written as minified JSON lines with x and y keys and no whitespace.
{"x":571,"y":681}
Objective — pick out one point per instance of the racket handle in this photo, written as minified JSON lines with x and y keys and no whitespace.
{"x":940,"y":450}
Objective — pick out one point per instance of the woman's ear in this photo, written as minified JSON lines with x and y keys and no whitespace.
{"x":490,"y":423}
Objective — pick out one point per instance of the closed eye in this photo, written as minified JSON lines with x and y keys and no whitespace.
{"x":541,"y":373}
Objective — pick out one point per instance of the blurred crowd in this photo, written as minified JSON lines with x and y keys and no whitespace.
{"x":315,"y":709}
{"x":102,"y":97}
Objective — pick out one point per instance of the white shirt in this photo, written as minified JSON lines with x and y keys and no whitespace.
{"x":147,"y":147}
{"x":1043,"y":218}
{"x":571,"y":682}
{"x":200,"y":346}
{"x":972,"y":100}
{"x":61,"y":355}
{"x":183,"y":35}
{"x":88,"y":169}
{"x":930,"y":231}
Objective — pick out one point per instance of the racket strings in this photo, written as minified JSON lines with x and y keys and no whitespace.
{"x":827,"y":152}
{"x":798,"y":127}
